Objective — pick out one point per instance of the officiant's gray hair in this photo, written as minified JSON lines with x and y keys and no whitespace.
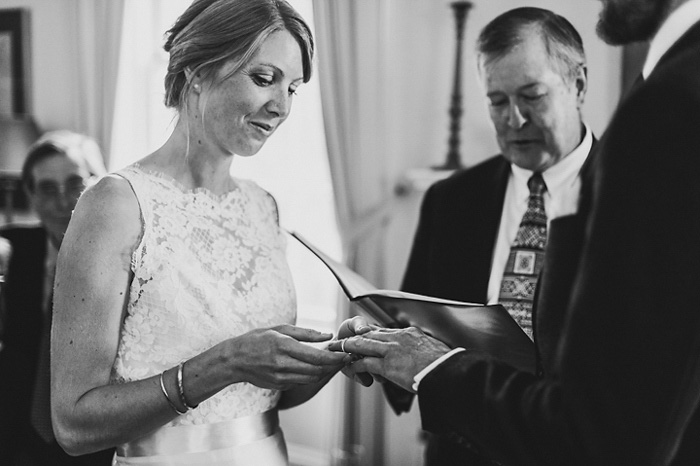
{"x":80,"y":148}
{"x":212,"y":32}
{"x":561,"y":40}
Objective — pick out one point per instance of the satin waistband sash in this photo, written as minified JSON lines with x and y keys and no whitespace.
{"x":204,"y":437}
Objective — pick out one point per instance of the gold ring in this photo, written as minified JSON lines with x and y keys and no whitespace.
{"x":342,"y":346}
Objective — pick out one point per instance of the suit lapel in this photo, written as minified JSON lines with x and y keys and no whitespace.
{"x":481,"y":214}
{"x":687,"y":43}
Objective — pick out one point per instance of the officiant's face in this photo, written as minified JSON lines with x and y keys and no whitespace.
{"x":533,"y":103}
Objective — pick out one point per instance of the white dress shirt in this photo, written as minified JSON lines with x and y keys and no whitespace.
{"x":561,"y":198}
{"x":563,"y":188}
{"x":49,"y":274}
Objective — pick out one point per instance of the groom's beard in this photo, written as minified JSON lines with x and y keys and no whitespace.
{"x":625,"y":21}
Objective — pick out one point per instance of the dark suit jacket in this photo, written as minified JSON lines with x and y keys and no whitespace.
{"x":622,"y":377}
{"x":456,"y":234}
{"x":22,"y":322}
{"x":452,"y":253}
{"x":451,"y":258}
{"x":23,"y":296}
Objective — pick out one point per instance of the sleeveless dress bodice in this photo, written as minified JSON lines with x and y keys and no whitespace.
{"x":207,"y":268}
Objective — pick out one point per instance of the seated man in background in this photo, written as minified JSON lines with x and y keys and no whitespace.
{"x":482,"y":232}
{"x":56,"y":171}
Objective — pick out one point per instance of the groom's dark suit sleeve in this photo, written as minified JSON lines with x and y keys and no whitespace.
{"x":623,"y":386}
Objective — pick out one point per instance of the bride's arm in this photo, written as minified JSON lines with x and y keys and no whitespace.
{"x":90,"y":297}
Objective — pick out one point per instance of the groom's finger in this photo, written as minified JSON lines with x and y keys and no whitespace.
{"x":359,"y":345}
{"x":371,"y":365}
{"x":363,"y":378}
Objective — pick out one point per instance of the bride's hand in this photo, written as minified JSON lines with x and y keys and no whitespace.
{"x":357,"y":325}
{"x":277,"y":357}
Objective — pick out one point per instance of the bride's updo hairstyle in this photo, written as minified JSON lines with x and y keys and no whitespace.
{"x":212,"y":32}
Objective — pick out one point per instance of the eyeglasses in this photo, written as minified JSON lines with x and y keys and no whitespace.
{"x":72,"y":188}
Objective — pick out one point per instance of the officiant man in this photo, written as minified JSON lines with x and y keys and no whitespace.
{"x":482,"y":233}
{"x":621,"y":383}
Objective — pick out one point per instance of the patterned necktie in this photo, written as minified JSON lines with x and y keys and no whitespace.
{"x":526,"y":257}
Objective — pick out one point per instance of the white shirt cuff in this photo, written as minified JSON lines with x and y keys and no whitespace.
{"x":419,"y":376}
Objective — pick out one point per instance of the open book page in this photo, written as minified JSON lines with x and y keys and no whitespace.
{"x":485,"y":328}
{"x":356,"y":286}
{"x":353,"y":284}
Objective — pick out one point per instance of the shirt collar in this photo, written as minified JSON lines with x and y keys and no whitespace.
{"x":563,"y":173}
{"x":677,"y":24}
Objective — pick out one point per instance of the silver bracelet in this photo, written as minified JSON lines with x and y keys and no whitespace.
{"x":167,"y":397}
{"x":181,"y":388}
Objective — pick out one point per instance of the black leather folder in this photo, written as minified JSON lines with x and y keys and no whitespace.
{"x":477,"y":327}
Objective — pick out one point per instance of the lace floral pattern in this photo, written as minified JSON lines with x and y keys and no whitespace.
{"x":207,"y":268}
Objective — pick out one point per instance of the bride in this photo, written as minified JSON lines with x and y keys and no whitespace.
{"x":174,"y":336}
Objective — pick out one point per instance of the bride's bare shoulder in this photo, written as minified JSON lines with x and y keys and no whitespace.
{"x":111,"y":205}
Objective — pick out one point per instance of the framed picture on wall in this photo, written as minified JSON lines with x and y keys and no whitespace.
{"x":14,"y":61}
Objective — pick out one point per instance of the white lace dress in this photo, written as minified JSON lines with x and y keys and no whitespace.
{"x":206,"y":269}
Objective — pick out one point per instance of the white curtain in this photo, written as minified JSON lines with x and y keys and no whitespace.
{"x":350,"y":57}
{"x":99,"y":29}
{"x":349,"y":35}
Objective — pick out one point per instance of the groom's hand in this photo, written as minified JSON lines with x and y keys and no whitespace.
{"x":357,"y":325}
{"x":394,"y":354}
